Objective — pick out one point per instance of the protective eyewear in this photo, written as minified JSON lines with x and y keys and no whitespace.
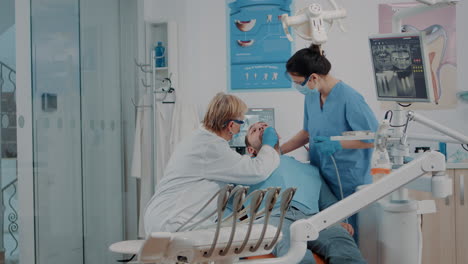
{"x":305,"y":81}
{"x":240,"y":122}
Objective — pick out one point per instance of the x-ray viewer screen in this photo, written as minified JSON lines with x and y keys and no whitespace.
{"x":399,"y":68}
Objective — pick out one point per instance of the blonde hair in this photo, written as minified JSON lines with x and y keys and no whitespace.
{"x":222,"y":108}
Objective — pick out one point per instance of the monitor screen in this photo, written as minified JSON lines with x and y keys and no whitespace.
{"x":401,"y":69}
{"x":252,"y":116}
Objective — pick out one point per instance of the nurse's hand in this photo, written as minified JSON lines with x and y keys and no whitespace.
{"x":269,"y":137}
{"x":326,"y":146}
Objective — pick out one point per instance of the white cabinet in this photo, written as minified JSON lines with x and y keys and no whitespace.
{"x":461,"y":215}
{"x":438,"y":229}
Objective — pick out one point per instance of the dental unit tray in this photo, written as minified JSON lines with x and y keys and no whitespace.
{"x":190,"y":246}
{"x":225,"y":242}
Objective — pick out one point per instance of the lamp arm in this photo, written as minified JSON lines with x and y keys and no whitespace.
{"x":462,"y":139}
{"x":295,"y":20}
{"x":431,"y":137}
{"x":335,"y":14}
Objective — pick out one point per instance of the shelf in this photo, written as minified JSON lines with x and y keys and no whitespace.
{"x":161,"y":68}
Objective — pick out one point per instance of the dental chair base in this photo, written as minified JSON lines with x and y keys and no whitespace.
{"x":390,"y":230}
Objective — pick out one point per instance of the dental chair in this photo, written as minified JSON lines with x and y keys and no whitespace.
{"x":230,"y":240}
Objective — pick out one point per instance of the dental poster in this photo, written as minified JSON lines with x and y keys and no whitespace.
{"x":440,"y":41}
{"x":257,"y":44}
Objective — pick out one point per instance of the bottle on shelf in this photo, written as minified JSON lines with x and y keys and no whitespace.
{"x":160,"y":55}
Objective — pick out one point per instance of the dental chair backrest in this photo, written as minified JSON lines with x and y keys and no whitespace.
{"x":226,"y":241}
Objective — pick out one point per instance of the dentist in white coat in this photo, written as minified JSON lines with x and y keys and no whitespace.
{"x":203,"y":163}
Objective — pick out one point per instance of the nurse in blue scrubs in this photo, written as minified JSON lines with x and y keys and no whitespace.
{"x":331,"y":107}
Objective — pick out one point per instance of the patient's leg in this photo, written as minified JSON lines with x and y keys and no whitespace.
{"x":336,"y":246}
{"x":283,"y":246}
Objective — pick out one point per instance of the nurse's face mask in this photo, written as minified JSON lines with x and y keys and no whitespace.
{"x":302,"y":86}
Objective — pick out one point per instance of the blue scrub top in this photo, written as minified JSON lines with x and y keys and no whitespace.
{"x":307,"y":180}
{"x":344,"y":110}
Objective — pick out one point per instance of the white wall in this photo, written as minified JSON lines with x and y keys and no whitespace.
{"x":7,"y":14}
{"x":8,"y":47}
{"x":203,"y":57}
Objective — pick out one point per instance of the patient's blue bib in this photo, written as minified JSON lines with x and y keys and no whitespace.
{"x":303,"y":176}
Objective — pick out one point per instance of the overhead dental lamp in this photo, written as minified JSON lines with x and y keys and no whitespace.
{"x":309,"y":22}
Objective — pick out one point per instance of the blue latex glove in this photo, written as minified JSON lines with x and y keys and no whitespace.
{"x":269,"y":137}
{"x":326,"y":146}
{"x":407,"y":159}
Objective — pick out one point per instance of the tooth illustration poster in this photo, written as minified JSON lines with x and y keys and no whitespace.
{"x":440,"y":43}
{"x":257,"y":45}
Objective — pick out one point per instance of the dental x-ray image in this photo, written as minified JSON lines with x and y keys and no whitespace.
{"x":394,"y":71}
{"x":399,"y":67}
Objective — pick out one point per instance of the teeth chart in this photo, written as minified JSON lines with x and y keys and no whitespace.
{"x":257,"y":46}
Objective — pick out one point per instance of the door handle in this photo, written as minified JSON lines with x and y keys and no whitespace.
{"x":462,"y":189}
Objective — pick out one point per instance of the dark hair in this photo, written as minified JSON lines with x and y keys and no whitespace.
{"x":307,"y":61}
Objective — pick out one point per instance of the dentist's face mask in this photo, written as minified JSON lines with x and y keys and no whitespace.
{"x":303,"y":88}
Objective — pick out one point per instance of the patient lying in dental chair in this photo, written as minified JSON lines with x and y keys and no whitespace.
{"x":335,"y":244}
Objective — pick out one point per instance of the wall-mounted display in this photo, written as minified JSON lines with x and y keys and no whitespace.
{"x":258,"y":46}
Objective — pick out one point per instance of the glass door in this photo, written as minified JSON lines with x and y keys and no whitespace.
{"x":69,"y":130}
{"x":101,"y":120}
{"x":57,"y":138}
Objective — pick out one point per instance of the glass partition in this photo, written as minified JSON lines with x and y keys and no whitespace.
{"x":101,"y":128}
{"x":58,"y":182}
{"x":77,"y":130}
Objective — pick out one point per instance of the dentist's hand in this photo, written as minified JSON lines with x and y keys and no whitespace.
{"x":269,"y":137}
{"x":325,"y":146}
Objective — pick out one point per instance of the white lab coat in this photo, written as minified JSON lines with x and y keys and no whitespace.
{"x":163,"y":119}
{"x":141,"y":168}
{"x":141,"y":160}
{"x":200,"y":165}
{"x":184,"y":121}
